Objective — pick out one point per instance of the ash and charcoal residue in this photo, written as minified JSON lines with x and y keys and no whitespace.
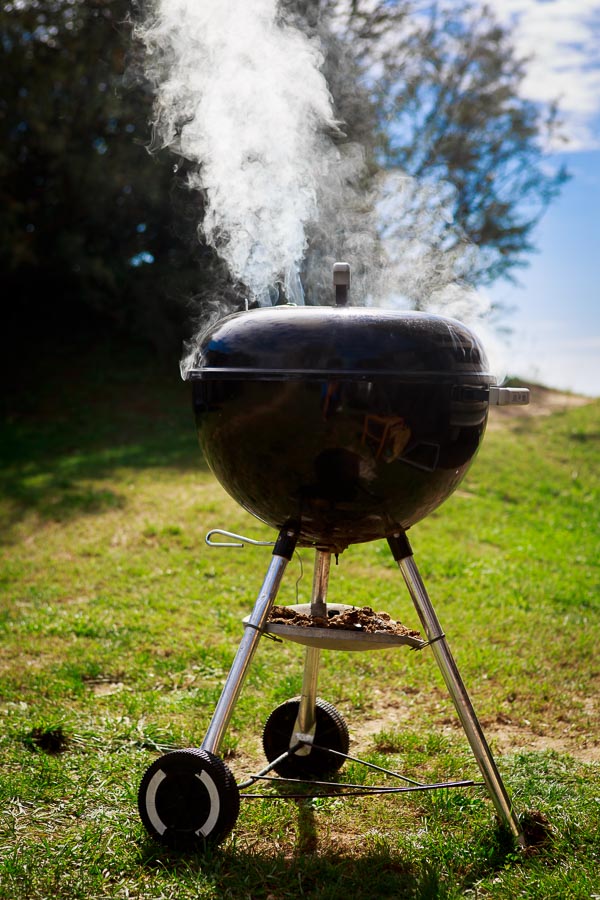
{"x":355,"y":619}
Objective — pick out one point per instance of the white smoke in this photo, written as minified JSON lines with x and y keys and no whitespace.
{"x":427,"y":265}
{"x":241,"y":96}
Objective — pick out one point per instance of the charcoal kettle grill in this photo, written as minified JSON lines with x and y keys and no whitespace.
{"x":335,"y":425}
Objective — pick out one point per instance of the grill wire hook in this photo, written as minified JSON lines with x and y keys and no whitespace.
{"x":238,"y":540}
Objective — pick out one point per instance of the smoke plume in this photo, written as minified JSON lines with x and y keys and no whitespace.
{"x":239,"y":93}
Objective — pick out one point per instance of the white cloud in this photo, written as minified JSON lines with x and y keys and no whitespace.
{"x":563,"y":39}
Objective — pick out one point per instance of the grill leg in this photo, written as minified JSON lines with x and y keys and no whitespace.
{"x":306,"y":721}
{"x":402,"y":553}
{"x":282,"y":553}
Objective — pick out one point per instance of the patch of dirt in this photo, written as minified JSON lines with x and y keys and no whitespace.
{"x":537,"y":830}
{"x":50,"y":740}
{"x":356,"y":619}
{"x":543,"y":402}
{"x":515,"y":738}
{"x":505,"y":736}
{"x":103,"y":685}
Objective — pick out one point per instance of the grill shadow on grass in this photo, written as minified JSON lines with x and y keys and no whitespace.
{"x":305,"y":874}
{"x":358,"y":873}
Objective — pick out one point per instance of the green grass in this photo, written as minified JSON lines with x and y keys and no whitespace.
{"x":118,"y":625}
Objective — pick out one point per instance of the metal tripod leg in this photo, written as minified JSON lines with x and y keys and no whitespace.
{"x":402,"y":553}
{"x":306,"y":720}
{"x":282,"y":553}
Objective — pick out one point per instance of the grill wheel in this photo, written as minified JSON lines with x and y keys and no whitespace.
{"x":188,"y":799}
{"x":331,"y":733}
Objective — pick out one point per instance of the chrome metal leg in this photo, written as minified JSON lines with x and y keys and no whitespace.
{"x":403,"y":555}
{"x":306,"y":721}
{"x":318,"y":600}
{"x":281,"y":556}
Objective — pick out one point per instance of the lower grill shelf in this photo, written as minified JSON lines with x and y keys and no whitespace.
{"x":336,"y":638}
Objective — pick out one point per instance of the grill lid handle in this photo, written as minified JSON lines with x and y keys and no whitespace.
{"x":341,"y":282}
{"x":507,"y":396}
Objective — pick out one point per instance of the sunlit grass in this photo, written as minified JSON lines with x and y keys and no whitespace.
{"x":118,"y":625}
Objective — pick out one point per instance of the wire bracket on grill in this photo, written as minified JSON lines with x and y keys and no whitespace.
{"x":434,"y":640}
{"x":337,"y":789}
{"x":267,"y":634}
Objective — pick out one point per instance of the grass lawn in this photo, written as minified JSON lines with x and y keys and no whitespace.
{"x":118,"y":625}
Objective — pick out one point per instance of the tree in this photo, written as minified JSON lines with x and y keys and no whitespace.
{"x":88,"y":219}
{"x":444,"y":83}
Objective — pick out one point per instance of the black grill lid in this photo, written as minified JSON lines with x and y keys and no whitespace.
{"x":290,"y":342}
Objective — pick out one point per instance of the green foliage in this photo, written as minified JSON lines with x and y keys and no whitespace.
{"x":87,"y":217}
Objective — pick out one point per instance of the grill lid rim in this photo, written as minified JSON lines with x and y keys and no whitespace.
{"x":234,"y":373}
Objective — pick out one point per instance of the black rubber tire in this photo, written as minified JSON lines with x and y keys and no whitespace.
{"x":188,"y":800}
{"x":331,"y":732}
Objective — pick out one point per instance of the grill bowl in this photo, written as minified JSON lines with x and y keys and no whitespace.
{"x":346,"y":423}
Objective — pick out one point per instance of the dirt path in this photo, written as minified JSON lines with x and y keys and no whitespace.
{"x":543,"y":402}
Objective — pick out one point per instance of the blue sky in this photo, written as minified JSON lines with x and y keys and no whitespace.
{"x":556,"y":317}
{"x":556,"y":321}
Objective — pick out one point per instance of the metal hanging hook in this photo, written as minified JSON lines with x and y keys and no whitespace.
{"x":239,"y":540}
